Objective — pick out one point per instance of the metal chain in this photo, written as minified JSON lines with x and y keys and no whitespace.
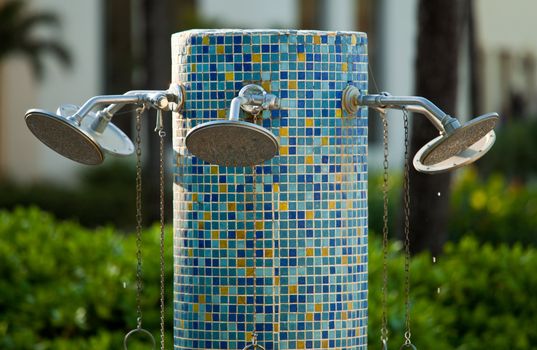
{"x":139,"y":281}
{"x":406,"y":204}
{"x":254,"y":344}
{"x":161,"y":134}
{"x":254,"y":334}
{"x":384,"y":302}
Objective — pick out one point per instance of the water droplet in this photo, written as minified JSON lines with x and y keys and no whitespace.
{"x":434,"y":259}
{"x":438,"y":290}
{"x":124,"y":285}
{"x":439,"y":194}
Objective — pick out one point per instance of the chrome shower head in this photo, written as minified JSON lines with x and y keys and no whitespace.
{"x":77,"y":141}
{"x":462,"y":146}
{"x":456,"y":146}
{"x":64,"y":136}
{"x":233,"y":142}
{"x":84,"y":136}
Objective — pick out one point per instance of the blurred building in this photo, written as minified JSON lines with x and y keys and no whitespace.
{"x":503,"y":64}
{"x":22,"y":156}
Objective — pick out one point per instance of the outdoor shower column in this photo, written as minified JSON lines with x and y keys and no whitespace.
{"x":306,"y":209}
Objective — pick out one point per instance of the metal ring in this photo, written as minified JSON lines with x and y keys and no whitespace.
{"x":141,"y":330}
{"x":407,"y":346}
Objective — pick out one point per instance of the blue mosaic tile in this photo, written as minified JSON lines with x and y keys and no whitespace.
{"x":280,"y":248}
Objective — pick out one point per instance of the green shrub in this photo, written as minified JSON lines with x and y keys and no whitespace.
{"x":493,"y":210}
{"x":376,"y":205}
{"x":513,"y":154}
{"x":66,"y":287}
{"x":486,"y":299}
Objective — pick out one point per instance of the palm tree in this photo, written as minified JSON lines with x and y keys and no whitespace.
{"x":439,"y":23}
{"x":17,"y":25}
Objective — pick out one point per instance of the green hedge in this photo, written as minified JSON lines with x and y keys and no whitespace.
{"x":486,"y":300}
{"x":66,"y":287}
{"x":493,"y":209}
{"x":513,"y":153}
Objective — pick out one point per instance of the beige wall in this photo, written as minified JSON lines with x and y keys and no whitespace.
{"x":18,"y":154}
{"x":23,"y":157}
{"x":250,"y":13}
{"x":507,"y":27}
{"x":507,"y":23}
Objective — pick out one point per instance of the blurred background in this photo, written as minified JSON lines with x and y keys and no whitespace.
{"x":469,"y":57}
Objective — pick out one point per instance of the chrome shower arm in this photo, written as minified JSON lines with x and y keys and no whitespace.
{"x":171,"y":99}
{"x":235,"y":107}
{"x":105,"y":99}
{"x":442,"y":121}
{"x":160,"y":99}
{"x":430,"y":116}
{"x":114,"y":108}
{"x":252,"y":99}
{"x":352,"y":99}
{"x":157,"y":99}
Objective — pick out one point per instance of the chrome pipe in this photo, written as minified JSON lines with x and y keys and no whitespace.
{"x":235,"y":107}
{"x":98,"y":100}
{"x":160,"y":99}
{"x":441,"y":120}
{"x":352,"y":99}
{"x":426,"y":113}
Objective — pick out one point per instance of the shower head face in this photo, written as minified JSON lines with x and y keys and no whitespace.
{"x":232,"y":143}
{"x":463,"y":146}
{"x":64,"y":136}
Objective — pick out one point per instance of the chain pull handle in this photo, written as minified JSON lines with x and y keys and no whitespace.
{"x":254,"y":344}
{"x":159,"y":124}
{"x":139,"y":276}
{"x":384,"y":301}
{"x":161,"y":133}
{"x":406,"y":204}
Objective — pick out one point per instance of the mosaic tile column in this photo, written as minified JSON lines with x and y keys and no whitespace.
{"x":281,"y":246}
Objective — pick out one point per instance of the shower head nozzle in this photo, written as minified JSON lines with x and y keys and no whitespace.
{"x":462,"y":146}
{"x":64,"y":136}
{"x":456,"y":146}
{"x":83,"y":135}
{"x":233,"y":142}
{"x":77,"y":141}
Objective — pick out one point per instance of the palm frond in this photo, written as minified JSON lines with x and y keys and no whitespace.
{"x":36,"y":49}
{"x":10,"y":13}
{"x":11,"y":9}
{"x":16,"y":35}
{"x":27,"y":24}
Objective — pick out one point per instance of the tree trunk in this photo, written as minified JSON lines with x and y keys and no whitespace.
{"x":161,"y":19}
{"x":157,"y":65}
{"x":436,"y":79}
{"x":311,"y":14}
{"x":118,"y":58}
